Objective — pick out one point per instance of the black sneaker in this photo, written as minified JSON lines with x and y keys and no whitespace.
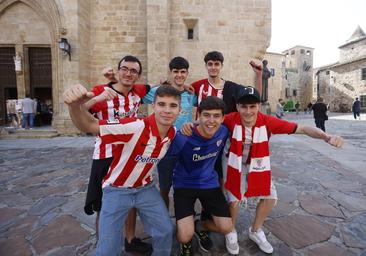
{"x":186,"y":249}
{"x":137,"y":245}
{"x":204,"y":240}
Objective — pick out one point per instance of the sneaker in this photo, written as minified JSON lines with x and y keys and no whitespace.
{"x":137,"y":245}
{"x":231,"y":241}
{"x":260,"y":239}
{"x":186,"y":249}
{"x":204,"y":240}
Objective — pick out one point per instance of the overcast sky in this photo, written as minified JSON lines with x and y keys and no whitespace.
{"x":321,"y":24}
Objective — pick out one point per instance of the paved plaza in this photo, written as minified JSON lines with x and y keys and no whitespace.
{"x":321,"y":208}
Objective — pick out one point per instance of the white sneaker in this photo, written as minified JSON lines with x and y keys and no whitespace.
{"x":260,"y":239}
{"x":231,"y":241}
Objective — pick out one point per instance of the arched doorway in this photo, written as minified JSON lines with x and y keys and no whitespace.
{"x":34,"y":38}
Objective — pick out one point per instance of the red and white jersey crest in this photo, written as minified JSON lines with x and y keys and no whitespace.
{"x":121,"y":106}
{"x":142,"y":149}
{"x":203,"y":89}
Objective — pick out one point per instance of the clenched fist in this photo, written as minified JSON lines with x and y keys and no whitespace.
{"x":77,"y":94}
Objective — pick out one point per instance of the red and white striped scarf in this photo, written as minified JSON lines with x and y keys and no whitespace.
{"x":259,"y":176}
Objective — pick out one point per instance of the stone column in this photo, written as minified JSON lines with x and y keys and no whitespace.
{"x":20,"y":78}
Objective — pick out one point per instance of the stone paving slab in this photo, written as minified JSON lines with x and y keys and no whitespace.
{"x":321,"y":208}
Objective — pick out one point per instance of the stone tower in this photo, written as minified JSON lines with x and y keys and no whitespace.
{"x":298,"y":74}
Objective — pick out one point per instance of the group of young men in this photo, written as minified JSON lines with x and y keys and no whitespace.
{"x":220,"y":160}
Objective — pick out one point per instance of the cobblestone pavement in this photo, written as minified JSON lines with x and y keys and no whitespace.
{"x":321,"y":208}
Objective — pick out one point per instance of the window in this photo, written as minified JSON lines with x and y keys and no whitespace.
{"x":287,"y":92}
{"x":190,"y":34}
{"x":191,"y":28}
{"x":327,"y":72}
{"x":292,"y":52}
{"x":363,"y":100}
{"x":294,"y":93}
{"x":302,"y":51}
{"x":363,"y":74}
{"x":308,"y":52}
{"x":272,"y":72}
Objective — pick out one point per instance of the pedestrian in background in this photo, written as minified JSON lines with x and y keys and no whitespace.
{"x":356,"y":109}
{"x":27,"y":112}
{"x":320,"y":113}
{"x":309,"y":107}
{"x":12,"y":113}
{"x":279,"y":109}
{"x":297,"y":107}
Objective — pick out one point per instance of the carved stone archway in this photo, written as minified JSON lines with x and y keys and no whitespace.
{"x":51,"y":14}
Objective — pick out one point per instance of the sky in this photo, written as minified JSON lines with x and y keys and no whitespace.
{"x":320,"y":24}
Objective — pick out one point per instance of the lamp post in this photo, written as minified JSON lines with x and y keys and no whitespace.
{"x":65,"y":47}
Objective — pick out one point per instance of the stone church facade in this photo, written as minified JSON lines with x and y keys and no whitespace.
{"x":101,"y":32}
{"x":340,"y":83}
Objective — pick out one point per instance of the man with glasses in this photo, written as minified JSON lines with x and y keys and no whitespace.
{"x":125,"y":104}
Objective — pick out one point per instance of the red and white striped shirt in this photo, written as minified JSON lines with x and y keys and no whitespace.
{"x":133,"y":163}
{"x":203,"y":89}
{"x":120,"y":107}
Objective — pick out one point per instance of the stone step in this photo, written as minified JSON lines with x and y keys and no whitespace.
{"x":37,"y":133}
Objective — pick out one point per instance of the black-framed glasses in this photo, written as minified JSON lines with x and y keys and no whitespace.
{"x":131,"y":70}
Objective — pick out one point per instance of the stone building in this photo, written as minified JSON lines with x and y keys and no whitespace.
{"x":298,"y":75}
{"x":101,"y":32}
{"x":340,"y":83}
{"x":276,"y":88}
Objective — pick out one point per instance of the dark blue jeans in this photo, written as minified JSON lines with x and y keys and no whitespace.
{"x":28,"y":119}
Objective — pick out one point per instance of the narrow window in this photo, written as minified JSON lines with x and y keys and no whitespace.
{"x":190,"y":33}
{"x":363,"y":74}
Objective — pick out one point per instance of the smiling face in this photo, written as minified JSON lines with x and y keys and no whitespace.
{"x":209,"y":122}
{"x":178,"y":76}
{"x":166,"y":110}
{"x":248,"y":113}
{"x":214,"y":68}
{"x":128,"y":73}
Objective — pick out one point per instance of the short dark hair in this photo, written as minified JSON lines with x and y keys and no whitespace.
{"x":130,"y":58}
{"x":27,"y":95}
{"x":167,"y":90}
{"x":210,"y":103}
{"x":214,"y":55}
{"x":178,"y":63}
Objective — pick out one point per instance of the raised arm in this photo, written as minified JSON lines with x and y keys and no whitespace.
{"x":75,"y":97}
{"x":107,"y":94}
{"x":258,"y":75}
{"x":333,"y":140}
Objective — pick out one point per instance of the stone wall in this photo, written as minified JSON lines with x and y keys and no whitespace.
{"x":240,"y":30}
{"x":347,"y":85}
{"x":101,"y":32}
{"x":352,"y":51}
{"x":118,"y":28}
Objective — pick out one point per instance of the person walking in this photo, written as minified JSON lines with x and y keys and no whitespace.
{"x":356,"y":109}
{"x":320,"y":113}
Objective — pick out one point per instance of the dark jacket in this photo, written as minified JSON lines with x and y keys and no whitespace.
{"x":229,"y":93}
{"x":356,"y":107}
{"x":320,"y":111}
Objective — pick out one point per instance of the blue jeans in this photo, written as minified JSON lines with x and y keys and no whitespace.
{"x":116,"y":202}
{"x":28,"y":119}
